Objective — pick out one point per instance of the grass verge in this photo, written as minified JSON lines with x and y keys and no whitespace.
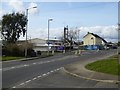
{"x":7,"y":58}
{"x":109,"y":66}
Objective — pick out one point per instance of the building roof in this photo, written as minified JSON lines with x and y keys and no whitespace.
{"x":37,"y":39}
{"x":95,"y":35}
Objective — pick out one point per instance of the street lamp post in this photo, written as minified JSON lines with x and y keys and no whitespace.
{"x":48,"y":33}
{"x":27,"y":28}
{"x":79,"y":42}
{"x":78,"y":37}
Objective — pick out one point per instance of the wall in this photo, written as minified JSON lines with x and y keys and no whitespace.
{"x":94,"y":41}
{"x":41,"y":48}
{"x":88,"y":41}
{"x":98,"y":41}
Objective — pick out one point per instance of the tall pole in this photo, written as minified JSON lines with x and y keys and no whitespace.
{"x":26,"y":30}
{"x":48,"y":36}
{"x":26,"y":33}
{"x":78,"y":38}
{"x":48,"y":33}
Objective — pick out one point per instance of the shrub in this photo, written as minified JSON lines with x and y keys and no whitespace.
{"x":13,"y":49}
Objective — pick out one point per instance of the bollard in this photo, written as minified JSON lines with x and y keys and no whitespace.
{"x":76,"y":52}
{"x":97,"y":50}
{"x":63,"y":51}
{"x":79,"y":52}
{"x":53,"y":52}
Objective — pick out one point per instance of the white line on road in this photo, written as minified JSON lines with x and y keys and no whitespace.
{"x":14,"y":87}
{"x":34,"y":78}
{"x":58,"y":69}
{"x":44,"y":75}
{"x":12,"y":67}
{"x":22,"y":83}
{"x":26,"y":65}
{"x":28,"y":81}
{"x":43,"y":62}
{"x":40,"y":76}
{"x":51,"y":71}
{"x":47,"y":61}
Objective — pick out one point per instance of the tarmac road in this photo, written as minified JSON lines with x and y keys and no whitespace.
{"x":23,"y":73}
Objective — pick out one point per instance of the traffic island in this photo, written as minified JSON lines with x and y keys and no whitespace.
{"x":78,"y":70}
{"x":109,"y":66}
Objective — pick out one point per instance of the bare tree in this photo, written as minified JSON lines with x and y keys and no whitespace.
{"x":72,"y":35}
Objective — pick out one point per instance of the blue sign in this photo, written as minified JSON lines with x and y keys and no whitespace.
{"x":61,"y":48}
{"x":48,"y":43}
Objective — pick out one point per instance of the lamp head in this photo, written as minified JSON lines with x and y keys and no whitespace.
{"x":35,"y":7}
{"x":50,"y":19}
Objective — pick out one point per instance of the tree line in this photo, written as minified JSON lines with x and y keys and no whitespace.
{"x":14,"y":26}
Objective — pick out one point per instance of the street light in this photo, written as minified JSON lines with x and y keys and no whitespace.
{"x":48,"y":33}
{"x":78,"y":39}
{"x":27,"y":28}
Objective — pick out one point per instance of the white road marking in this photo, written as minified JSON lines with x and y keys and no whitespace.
{"x":14,"y":87}
{"x":22,"y":83}
{"x":12,"y":67}
{"x":47,"y":61}
{"x":26,"y":65}
{"x":34,"y":78}
{"x":27,"y":81}
{"x":55,"y":70}
{"x":34,"y":63}
{"x":58,"y":69}
{"x":21,"y":66}
{"x":44,"y":75}
{"x":39,"y":76}
{"x":51,"y":71}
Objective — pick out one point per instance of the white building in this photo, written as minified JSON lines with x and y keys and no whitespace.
{"x":93,"y":39}
{"x":39,"y":44}
{"x":42,"y":44}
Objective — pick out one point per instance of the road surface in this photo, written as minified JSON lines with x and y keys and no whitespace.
{"x":47,"y":72}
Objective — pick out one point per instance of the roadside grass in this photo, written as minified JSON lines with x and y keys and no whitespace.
{"x":109,"y":66}
{"x":43,"y":55}
{"x":7,"y":58}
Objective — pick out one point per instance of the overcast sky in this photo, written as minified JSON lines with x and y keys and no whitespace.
{"x":97,"y":17}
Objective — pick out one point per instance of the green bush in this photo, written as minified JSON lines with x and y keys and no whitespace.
{"x":17,"y":50}
{"x":12,"y":50}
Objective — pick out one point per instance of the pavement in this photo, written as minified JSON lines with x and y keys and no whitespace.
{"x":78,"y":69}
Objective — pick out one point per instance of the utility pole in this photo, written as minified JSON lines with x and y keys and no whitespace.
{"x":48,"y":34}
{"x":27,"y":29}
{"x":65,"y":36}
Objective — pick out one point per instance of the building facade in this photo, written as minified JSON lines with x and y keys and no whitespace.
{"x":93,"y":41}
{"x":42,"y":44}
